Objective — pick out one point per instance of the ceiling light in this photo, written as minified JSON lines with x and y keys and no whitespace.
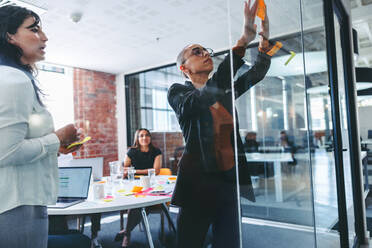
{"x":38,"y":10}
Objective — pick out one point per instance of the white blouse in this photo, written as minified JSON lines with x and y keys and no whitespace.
{"x":28,"y":145}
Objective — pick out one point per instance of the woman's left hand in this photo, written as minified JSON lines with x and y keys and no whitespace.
{"x":64,"y":150}
{"x":249,"y":28}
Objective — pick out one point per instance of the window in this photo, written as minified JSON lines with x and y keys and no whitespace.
{"x":56,"y":82}
{"x":147,"y":103}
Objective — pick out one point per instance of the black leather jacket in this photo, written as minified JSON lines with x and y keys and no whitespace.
{"x":191,"y":106}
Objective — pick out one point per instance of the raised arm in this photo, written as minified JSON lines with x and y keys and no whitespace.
{"x":262,"y":63}
{"x":253,"y":75}
{"x":222,"y":75}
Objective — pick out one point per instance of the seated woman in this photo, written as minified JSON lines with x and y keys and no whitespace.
{"x":288,"y":146}
{"x":142,"y":156}
{"x":251,"y":144}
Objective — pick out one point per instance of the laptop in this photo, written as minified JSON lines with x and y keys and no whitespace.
{"x":73,"y":186}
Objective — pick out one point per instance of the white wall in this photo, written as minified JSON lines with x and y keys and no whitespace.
{"x":121,"y":116}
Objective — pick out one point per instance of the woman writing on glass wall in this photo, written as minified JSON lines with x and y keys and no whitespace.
{"x":29,"y":146}
{"x":205,"y":189}
{"x":143,"y":155}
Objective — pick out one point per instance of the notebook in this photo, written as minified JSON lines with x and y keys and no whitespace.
{"x":73,"y":186}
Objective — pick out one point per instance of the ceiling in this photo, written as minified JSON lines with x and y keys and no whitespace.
{"x":124,"y":36}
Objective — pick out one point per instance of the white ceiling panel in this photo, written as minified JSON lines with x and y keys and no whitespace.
{"x":122,"y":36}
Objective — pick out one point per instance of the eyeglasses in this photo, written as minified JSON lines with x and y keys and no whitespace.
{"x":199,"y":51}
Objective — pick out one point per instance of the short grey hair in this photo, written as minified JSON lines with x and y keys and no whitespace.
{"x":181,"y":58}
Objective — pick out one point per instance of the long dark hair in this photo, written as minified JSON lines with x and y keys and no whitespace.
{"x":136,"y":144}
{"x":11,"y":18}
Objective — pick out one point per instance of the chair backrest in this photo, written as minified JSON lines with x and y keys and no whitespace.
{"x":165,"y":171}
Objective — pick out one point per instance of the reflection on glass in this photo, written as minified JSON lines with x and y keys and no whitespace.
{"x":277,"y":119}
{"x":204,"y":109}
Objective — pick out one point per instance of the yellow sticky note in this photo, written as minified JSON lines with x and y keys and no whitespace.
{"x":158,"y":188}
{"x":86,"y":139}
{"x":290,"y":58}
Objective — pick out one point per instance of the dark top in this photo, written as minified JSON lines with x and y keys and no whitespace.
{"x":143,"y":160}
{"x":192,"y":108}
{"x":251,"y":146}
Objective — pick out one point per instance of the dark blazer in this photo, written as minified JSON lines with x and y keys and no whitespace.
{"x":191,"y":106}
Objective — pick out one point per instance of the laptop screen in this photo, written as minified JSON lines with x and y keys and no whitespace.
{"x":74,"y":181}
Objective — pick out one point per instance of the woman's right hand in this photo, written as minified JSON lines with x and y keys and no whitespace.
{"x":67,"y":135}
{"x":249,"y":27}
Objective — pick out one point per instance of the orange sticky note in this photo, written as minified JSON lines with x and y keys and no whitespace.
{"x":261,"y":9}
{"x":275,"y":48}
{"x":136,"y":189}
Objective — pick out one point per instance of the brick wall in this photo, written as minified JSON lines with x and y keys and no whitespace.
{"x":167,"y":142}
{"x":94,"y":108}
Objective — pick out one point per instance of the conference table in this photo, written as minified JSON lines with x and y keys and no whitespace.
{"x":120,"y":200}
{"x":277,"y":159}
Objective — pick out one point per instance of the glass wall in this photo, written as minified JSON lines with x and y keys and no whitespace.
{"x":275,"y":127}
{"x":284,"y":119}
{"x":286,"y":123}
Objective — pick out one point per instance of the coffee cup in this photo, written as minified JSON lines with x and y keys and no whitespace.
{"x":99,"y":191}
{"x":145,"y":182}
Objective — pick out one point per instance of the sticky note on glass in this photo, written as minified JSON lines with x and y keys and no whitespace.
{"x":275,"y":48}
{"x":290,"y":57}
{"x":86,"y":139}
{"x":261,"y":9}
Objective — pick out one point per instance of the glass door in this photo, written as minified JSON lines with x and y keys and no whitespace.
{"x":273,"y":124}
{"x":351,"y":224}
{"x":298,"y":129}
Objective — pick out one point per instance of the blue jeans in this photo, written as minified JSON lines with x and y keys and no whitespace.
{"x":24,"y":227}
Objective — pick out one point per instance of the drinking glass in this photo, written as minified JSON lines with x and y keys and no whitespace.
{"x":116,"y":171}
{"x":151,"y":174}
{"x":131,"y":172}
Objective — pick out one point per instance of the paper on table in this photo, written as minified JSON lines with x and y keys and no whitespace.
{"x":86,"y":139}
{"x":137,"y":189}
{"x":108,"y":199}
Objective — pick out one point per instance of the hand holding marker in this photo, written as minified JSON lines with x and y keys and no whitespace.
{"x":261,"y":13}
